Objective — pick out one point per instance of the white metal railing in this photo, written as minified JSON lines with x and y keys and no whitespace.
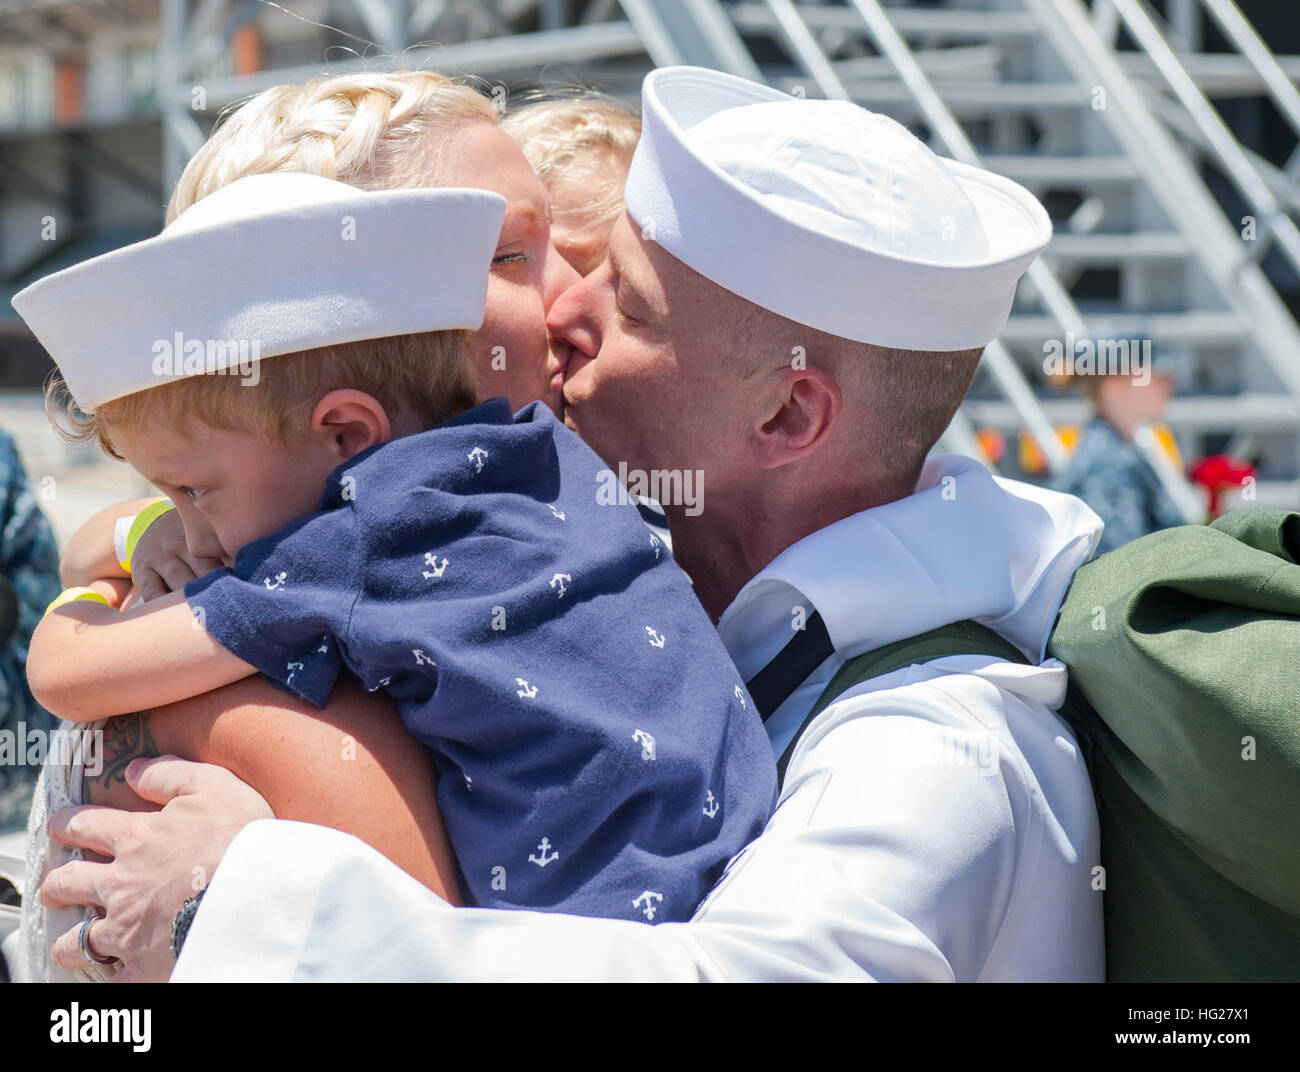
{"x":1237,"y":29}
{"x":1177,"y":187}
{"x":1270,"y":214}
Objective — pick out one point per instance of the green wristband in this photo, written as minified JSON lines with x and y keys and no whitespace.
{"x":71,"y":595}
{"x":140,"y":525}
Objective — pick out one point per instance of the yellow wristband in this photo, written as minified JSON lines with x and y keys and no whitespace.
{"x":140,"y":525}
{"x":71,"y":595}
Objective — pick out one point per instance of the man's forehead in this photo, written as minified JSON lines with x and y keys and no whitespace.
{"x":626,"y":250}
{"x":645,"y":264}
{"x":674,"y":283}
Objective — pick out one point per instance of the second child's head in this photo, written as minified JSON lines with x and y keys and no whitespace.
{"x":272,"y":332}
{"x":581,"y":145}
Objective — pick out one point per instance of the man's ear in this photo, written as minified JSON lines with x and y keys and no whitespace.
{"x":799,"y":410}
{"x":350,"y":421}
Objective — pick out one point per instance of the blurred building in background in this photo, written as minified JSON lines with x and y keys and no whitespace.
{"x":1161,"y":137}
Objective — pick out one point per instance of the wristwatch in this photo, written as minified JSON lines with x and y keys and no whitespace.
{"x":181,"y":924}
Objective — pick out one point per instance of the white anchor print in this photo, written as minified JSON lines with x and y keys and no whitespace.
{"x":528,"y":692}
{"x":477,"y":456}
{"x":280,"y":578}
{"x":430,"y":559}
{"x":711,"y":805}
{"x":382,"y":683}
{"x":421,"y":659}
{"x":740,"y":695}
{"x":651,"y":899}
{"x":469,"y":784}
{"x":556,"y":513}
{"x":293,"y":668}
{"x":646,"y":742}
{"x":543,"y":848}
{"x":558,"y":580}
{"x":657,"y":544}
{"x":656,"y":639}
{"x":324,"y":646}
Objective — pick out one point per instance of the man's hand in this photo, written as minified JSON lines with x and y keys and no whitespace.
{"x":161,"y":561}
{"x":157,"y":860}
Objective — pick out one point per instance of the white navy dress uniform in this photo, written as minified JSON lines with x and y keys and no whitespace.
{"x":936,"y":823}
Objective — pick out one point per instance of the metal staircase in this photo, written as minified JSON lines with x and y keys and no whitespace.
{"x":1113,"y":140}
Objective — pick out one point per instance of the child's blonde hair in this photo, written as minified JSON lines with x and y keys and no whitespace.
{"x":374,"y":131}
{"x":425,"y":376}
{"x":571,"y":138}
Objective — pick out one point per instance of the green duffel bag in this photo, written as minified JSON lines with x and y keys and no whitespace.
{"x":1184,"y":655}
{"x":1186,"y":646}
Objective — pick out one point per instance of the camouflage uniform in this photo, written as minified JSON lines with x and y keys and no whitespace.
{"x":1110,"y":475}
{"x":29,"y":560}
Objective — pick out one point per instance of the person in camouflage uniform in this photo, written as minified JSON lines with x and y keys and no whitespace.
{"x":1108,"y":472}
{"x":29,"y":579}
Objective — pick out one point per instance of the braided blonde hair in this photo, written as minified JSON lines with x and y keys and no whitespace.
{"x":372,"y":130}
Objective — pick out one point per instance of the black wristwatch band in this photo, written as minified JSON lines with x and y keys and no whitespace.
{"x":181,"y":924}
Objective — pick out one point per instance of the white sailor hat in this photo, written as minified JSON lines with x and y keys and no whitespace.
{"x":828,"y":214}
{"x":289,"y":262}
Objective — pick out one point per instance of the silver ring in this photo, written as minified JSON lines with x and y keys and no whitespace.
{"x":83,"y":940}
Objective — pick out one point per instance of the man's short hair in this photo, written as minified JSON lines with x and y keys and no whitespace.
{"x":900,"y":401}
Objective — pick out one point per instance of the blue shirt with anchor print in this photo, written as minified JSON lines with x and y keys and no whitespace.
{"x":597,"y":751}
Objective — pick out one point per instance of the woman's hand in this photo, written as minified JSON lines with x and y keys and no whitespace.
{"x":158,"y":860}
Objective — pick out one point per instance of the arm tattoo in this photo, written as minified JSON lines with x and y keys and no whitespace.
{"x":125,"y":738}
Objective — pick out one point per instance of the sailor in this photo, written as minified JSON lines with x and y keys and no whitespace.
{"x":794,"y":302}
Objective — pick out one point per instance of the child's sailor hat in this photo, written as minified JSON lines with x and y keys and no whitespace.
{"x":280,"y":262}
{"x":827,"y":214}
